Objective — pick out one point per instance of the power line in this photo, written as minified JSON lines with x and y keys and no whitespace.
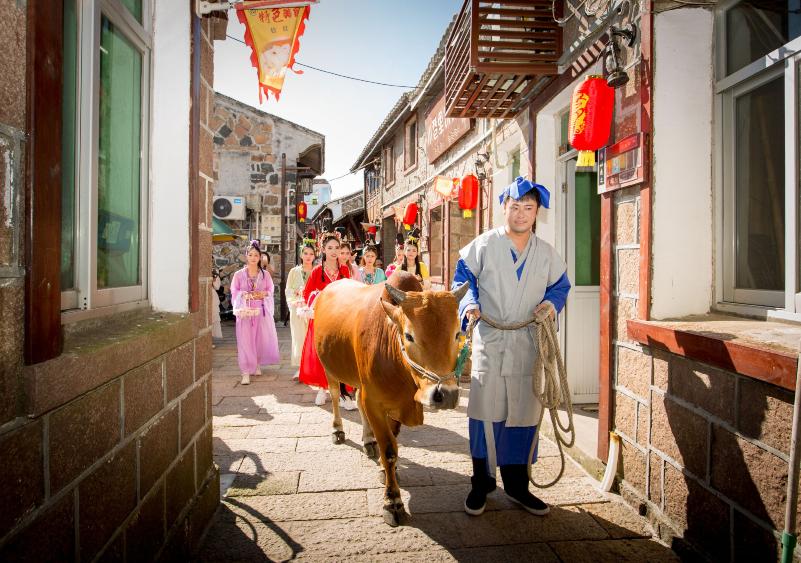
{"x":336,"y":73}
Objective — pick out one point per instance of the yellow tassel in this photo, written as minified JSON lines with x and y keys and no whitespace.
{"x":466,"y":213}
{"x":586,"y":159}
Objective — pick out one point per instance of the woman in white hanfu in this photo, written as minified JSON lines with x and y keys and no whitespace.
{"x":513,"y":276}
{"x":295,"y":282}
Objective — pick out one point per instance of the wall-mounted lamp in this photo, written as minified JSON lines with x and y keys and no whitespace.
{"x":618,"y":77}
{"x":481,"y":161}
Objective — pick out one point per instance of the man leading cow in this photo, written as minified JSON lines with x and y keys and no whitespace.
{"x":513,"y":276}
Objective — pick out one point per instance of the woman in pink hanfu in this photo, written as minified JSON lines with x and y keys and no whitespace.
{"x":251,"y":293}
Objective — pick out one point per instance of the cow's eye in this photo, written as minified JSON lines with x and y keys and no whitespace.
{"x":409,"y":337}
{"x":458,"y":334}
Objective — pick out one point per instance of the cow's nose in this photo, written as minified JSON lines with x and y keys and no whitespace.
{"x":437,"y":396}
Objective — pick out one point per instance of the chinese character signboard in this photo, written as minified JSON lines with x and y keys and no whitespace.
{"x":442,"y":132}
{"x":274,"y":37}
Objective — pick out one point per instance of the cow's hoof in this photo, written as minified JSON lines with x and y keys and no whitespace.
{"x":338,"y":437}
{"x":396,"y":516}
{"x":371,"y":450}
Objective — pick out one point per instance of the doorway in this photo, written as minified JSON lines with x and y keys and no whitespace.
{"x":581,"y":320}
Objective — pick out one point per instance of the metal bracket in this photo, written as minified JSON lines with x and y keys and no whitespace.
{"x":203,"y":7}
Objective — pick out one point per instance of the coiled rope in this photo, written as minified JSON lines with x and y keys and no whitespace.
{"x":549,"y":385}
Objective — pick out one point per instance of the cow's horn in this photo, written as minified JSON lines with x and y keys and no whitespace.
{"x":461,"y":291}
{"x":398,"y":296}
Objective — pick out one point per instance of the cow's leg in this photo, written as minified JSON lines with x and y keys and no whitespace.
{"x":368,"y":438}
{"x":394,"y":512}
{"x":338,"y":436}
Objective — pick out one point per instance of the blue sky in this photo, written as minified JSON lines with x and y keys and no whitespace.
{"x":383,"y":40}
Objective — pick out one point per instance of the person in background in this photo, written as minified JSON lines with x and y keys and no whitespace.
{"x":413,"y":264}
{"x":295,"y":284}
{"x":330,"y":270}
{"x":266,"y":262}
{"x":216,"y":328}
{"x":256,"y":338}
{"x":369,"y":273}
{"x":398,"y":259}
{"x":345,"y":259}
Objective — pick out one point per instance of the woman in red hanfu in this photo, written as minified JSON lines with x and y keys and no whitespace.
{"x":328,"y":271}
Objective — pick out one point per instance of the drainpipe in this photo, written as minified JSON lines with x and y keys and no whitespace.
{"x":789,"y":536}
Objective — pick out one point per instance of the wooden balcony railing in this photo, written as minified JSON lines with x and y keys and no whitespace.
{"x":496,"y":54}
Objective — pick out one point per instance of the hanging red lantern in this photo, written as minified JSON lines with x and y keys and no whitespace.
{"x":468,"y":195}
{"x":410,"y":215}
{"x":302,"y":211}
{"x":590,"y":118}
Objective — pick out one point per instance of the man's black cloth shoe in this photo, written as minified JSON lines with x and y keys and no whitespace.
{"x":483,"y":484}
{"x":515,"y":482}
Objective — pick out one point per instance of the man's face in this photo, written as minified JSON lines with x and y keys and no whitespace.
{"x":520,"y":214}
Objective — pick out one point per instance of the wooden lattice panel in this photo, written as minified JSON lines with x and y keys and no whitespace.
{"x":496,"y":53}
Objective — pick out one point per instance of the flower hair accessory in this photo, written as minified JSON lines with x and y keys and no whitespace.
{"x":414,"y":236}
{"x":254,"y":244}
{"x":327,"y":235}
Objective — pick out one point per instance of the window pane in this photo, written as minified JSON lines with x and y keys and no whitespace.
{"x":462,"y":231}
{"x":119,"y":161}
{"x":135,"y":7}
{"x":435,"y":244}
{"x":754,"y":29}
{"x":588,"y":229}
{"x":759,"y":177}
{"x":68,"y":146}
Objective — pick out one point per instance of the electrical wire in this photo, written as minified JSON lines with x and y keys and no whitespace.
{"x":337,"y":74}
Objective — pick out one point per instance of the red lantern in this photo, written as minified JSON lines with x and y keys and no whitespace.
{"x":468,"y":195}
{"x":590,"y":118}
{"x":302,"y":210}
{"x":410,"y":215}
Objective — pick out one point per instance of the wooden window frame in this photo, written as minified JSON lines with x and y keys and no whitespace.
{"x":388,"y":165}
{"x":410,"y":158}
{"x":43,"y":164}
{"x":443,"y":208}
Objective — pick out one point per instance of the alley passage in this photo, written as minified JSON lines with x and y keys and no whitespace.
{"x":289,"y":493}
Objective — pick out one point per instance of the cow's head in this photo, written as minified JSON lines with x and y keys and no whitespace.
{"x":428,"y":329}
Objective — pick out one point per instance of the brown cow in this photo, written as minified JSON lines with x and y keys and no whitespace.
{"x":400,"y":356}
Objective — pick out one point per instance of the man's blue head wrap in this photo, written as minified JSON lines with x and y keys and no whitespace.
{"x":521,"y":187}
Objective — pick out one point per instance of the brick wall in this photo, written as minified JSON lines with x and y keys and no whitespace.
{"x":106,"y":449}
{"x":705,"y":452}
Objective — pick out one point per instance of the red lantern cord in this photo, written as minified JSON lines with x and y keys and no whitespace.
{"x":591,"y":111}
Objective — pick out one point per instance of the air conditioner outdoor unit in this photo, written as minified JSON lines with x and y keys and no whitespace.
{"x":229,"y":207}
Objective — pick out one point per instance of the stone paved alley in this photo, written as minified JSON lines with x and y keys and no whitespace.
{"x":289,"y":493}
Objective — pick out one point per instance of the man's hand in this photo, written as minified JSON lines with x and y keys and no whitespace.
{"x":473,"y":315}
{"x":544,"y":310}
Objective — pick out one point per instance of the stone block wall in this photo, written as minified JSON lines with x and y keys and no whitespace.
{"x":107,"y":448}
{"x":705,"y":453}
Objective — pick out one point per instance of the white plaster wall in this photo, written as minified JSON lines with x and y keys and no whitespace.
{"x":169,"y":158}
{"x":682,"y":139}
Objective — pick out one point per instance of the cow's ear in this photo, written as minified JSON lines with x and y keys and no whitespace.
{"x":391,"y":310}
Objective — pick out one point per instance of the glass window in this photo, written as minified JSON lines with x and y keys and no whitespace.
{"x":759,"y":139}
{"x":588,"y":229}
{"x":135,"y":7}
{"x":759,"y":178}
{"x":119,"y":160}
{"x":754,"y":29}
{"x":68,"y":142}
{"x":515,"y":165}
{"x":435,"y":227}
{"x":104,"y":147}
